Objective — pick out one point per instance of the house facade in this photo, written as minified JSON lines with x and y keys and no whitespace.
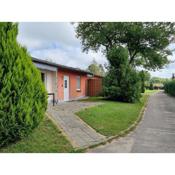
{"x":65,"y":83}
{"x":72,"y":85}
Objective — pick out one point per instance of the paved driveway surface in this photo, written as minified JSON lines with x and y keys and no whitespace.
{"x":78,"y":132}
{"x":155,"y":133}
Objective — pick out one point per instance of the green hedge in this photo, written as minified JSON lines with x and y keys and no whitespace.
{"x":23,"y":98}
{"x":170,"y":87}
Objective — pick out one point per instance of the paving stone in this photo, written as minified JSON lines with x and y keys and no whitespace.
{"x":78,"y":132}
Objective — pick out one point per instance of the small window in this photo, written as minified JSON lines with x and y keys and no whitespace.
{"x":43,"y":77}
{"x":78,"y":83}
{"x":65,"y":83}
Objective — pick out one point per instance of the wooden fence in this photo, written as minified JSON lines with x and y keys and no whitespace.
{"x":94,"y":86}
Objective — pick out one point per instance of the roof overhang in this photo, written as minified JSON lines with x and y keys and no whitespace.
{"x":45,"y":67}
{"x":52,"y":66}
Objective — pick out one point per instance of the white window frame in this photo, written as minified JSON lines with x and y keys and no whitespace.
{"x":78,"y":84}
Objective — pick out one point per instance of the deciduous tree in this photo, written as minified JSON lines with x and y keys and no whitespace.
{"x":96,"y":68}
{"x":146,"y":45}
{"x":147,"y":42}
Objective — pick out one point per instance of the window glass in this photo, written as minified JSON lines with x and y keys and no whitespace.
{"x":78,"y":82}
{"x":43,"y":77}
{"x":65,"y":83}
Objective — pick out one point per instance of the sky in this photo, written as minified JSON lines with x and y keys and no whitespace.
{"x":57,"y":42}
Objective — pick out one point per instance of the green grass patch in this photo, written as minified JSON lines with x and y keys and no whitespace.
{"x":147,"y":91}
{"x":112,"y":117}
{"x":44,"y":139}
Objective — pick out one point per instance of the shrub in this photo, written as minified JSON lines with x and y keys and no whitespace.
{"x":142,"y":78}
{"x":121,"y":82}
{"x":169,"y":87}
{"x":22,"y":93}
{"x":151,"y":87}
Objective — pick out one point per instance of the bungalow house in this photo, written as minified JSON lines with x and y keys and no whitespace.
{"x":66,"y":83}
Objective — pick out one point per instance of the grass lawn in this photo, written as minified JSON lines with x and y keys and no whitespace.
{"x":147,"y":91}
{"x":112,"y":117}
{"x":44,"y":139}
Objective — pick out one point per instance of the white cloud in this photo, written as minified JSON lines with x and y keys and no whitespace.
{"x":73,"y":57}
{"x":166,"y":72}
{"x":57,"y":42}
{"x":41,"y":34}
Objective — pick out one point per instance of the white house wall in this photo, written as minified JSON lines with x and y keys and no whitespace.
{"x":50,"y":78}
{"x":50,"y":82}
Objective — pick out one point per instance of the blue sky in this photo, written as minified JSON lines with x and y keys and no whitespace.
{"x":57,"y":42}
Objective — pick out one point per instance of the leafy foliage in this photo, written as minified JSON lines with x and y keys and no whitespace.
{"x":147,"y":76}
{"x":156,"y":83}
{"x":46,"y":138}
{"x":146,"y":42}
{"x":122,"y":82}
{"x":151,"y":86}
{"x":158,"y":80}
{"x":22,"y":93}
{"x":96,"y":69}
{"x":173,"y":76}
{"x":142,"y":77}
{"x":169,"y":87}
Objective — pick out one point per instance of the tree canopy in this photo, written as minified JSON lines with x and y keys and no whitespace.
{"x":147,"y":42}
{"x":96,"y":68}
{"x":147,"y":76}
{"x":158,"y":80}
{"x":128,"y":46}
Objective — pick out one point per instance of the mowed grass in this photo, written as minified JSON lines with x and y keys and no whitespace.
{"x":147,"y":91}
{"x":44,"y":139}
{"x":112,"y":117}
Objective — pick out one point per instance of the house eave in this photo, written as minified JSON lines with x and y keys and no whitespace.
{"x":55,"y":65}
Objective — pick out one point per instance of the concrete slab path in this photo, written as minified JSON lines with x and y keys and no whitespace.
{"x":78,"y":132}
{"x":155,"y":133}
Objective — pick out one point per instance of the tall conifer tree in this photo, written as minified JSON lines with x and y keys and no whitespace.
{"x":23,"y":98}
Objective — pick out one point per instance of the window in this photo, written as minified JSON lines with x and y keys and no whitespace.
{"x":78,"y":83}
{"x":65,"y":83}
{"x":43,"y":77}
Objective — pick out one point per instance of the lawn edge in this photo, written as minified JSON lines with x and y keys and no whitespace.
{"x":62,"y":131}
{"x":108,"y":139}
{"x":124,"y":132}
{"x":76,"y":148}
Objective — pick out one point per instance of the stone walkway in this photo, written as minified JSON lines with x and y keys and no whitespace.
{"x":155,"y":133}
{"x":78,"y":132}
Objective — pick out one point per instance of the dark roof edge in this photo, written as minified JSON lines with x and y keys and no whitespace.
{"x":100,"y":76}
{"x":59,"y":65}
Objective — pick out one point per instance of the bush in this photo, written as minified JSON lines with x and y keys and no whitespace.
{"x":142,"y":78}
{"x":169,"y":87}
{"x":122,"y":82}
{"x":151,"y":87}
{"x":22,"y":93}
